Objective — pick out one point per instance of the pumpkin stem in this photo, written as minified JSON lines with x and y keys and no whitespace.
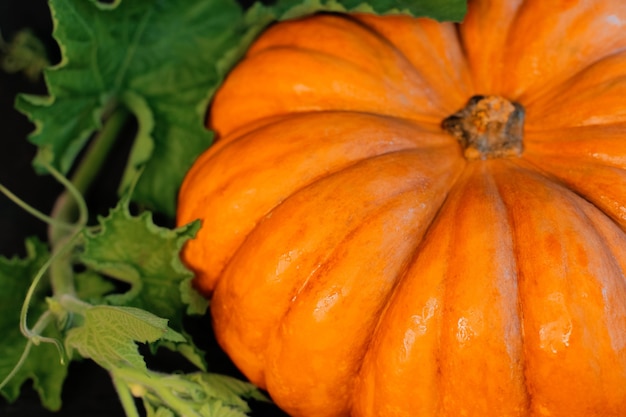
{"x":488,"y":127}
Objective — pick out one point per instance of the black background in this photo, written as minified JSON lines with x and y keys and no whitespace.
{"x":88,"y":390}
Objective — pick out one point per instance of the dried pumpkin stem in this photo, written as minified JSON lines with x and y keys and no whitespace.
{"x":488,"y":127}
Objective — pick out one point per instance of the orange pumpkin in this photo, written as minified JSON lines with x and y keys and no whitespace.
{"x":376,"y":242}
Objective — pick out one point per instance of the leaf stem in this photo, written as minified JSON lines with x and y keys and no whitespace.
{"x":73,"y":304}
{"x":66,"y":208}
{"x":71,"y":203}
{"x":61,"y":274}
{"x":33,"y":211}
{"x":159,"y":387}
{"x":41,"y":324}
{"x":125,"y":396}
{"x":34,"y":334}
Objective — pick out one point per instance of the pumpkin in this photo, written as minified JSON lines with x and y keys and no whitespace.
{"x":409,"y":218}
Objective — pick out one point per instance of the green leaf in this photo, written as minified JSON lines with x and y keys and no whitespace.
{"x":199,"y":393}
{"x":196,"y":302}
{"x":441,"y":10}
{"x":158,"y":412}
{"x":219,"y":409}
{"x":134,"y":250}
{"x":43,"y":364}
{"x":230,"y":391}
{"x":92,"y":287}
{"x":108,"y":335}
{"x":159,"y":60}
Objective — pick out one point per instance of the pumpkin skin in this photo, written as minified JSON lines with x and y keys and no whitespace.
{"x":359,"y":265}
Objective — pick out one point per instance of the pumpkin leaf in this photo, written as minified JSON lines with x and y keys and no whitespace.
{"x":158,"y":60}
{"x":230,"y":391}
{"x":197,"y":393}
{"x":42,"y":365}
{"x":109,"y":334}
{"x":134,"y":250}
{"x":158,"y":412}
{"x":92,"y":287}
{"x":441,"y":10}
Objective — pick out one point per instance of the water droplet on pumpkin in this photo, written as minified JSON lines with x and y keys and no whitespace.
{"x":614,"y":20}
{"x":419,"y":325}
{"x":324,"y":305}
{"x":469,"y":327}
{"x":555,"y":335}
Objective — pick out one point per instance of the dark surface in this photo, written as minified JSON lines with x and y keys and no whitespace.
{"x":88,"y":390}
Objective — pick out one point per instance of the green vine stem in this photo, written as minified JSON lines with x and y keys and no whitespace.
{"x":39,"y":327}
{"x":34,"y":212}
{"x":61,"y":275}
{"x":71,"y":203}
{"x":143,"y":384}
{"x":70,"y":208}
{"x":34,"y":335}
{"x":125,"y":396}
{"x":66,"y":208}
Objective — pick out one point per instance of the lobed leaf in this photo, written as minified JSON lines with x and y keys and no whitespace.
{"x":108,"y":335}
{"x":441,"y":10}
{"x":158,"y":60}
{"x":134,"y":250}
{"x":201,"y":394}
{"x":43,"y":365}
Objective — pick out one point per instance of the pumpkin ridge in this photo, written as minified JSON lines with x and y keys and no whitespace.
{"x":447,"y":65}
{"x":587,"y":29}
{"x":593,"y":83}
{"x":330,"y":262}
{"x":484,"y":34}
{"x":277,"y":217}
{"x":549,"y":91}
{"x":468,"y":321}
{"x":297,"y":49}
{"x":537,"y":168}
{"x":590,"y":142}
{"x":354,"y":164}
{"x":353,"y":147}
{"x":551,"y":167}
{"x":358,"y":91}
{"x":410,"y":68}
{"x":570,"y":289}
{"x":426,"y":124}
{"x":403,"y":64}
{"x":292,"y":89}
{"x":411,"y":77}
{"x":377,"y":210}
{"x":601,"y":224}
{"x":401,"y":276}
{"x":521,"y":164}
